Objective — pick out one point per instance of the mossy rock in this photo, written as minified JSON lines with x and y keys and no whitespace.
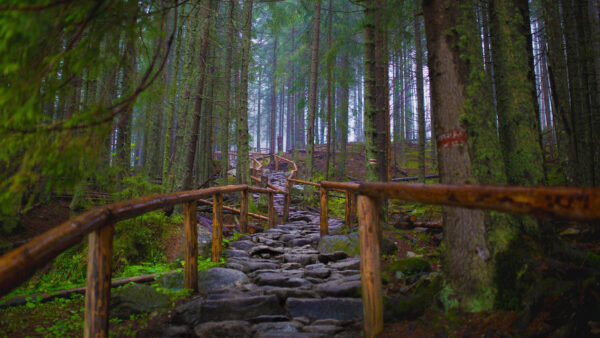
{"x":350,"y":244}
{"x":137,"y":298}
{"x":422,"y":297}
{"x":408,"y":266}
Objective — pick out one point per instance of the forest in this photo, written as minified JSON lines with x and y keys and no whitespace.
{"x":302,"y":168}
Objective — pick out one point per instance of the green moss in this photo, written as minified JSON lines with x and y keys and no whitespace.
{"x":414,"y":305}
{"x":407,"y":267}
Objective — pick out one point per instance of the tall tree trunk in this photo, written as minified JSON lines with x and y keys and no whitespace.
{"x":193,"y":142}
{"x":243,"y":168}
{"x":465,"y":248}
{"x":227,"y":97}
{"x":258,"y":122}
{"x":330,"y":106}
{"x":273,"y":100}
{"x":343,"y":109}
{"x":420,"y":98}
{"x":312,"y":94}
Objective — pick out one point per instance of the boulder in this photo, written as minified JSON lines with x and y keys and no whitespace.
{"x":334,"y":308}
{"x":137,"y":298}
{"x":227,"y":328}
{"x":346,"y":243}
{"x":239,"y":308}
{"x":219,"y":278}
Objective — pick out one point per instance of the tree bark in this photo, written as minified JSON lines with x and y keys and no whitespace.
{"x":312,"y":110}
{"x":243,"y":168}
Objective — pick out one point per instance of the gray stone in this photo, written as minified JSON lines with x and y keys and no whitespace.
{"x":237,"y":266}
{"x":176,"y":331}
{"x":346,"y":264}
{"x":290,"y":335}
{"x":204,"y":245}
{"x":301,"y":241}
{"x":268,"y":318}
{"x":277,"y":327}
{"x":242,"y":245}
{"x":300,"y":258}
{"x":317,"y":273}
{"x":388,"y":247}
{"x":289,"y":266}
{"x":218,"y":278}
{"x":340,"y":288}
{"x":336,"y":308}
{"x":236,"y":253}
{"x":315,"y":266}
{"x":241,"y":308}
{"x":279,"y":279}
{"x":136,"y":298}
{"x":332,"y":257}
{"x":285,"y":293}
{"x":228,"y":328}
{"x":263,"y":249}
{"x":325,"y":329}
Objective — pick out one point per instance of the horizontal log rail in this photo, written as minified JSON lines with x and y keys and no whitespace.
{"x":21,"y":263}
{"x":237,"y":211}
{"x":362,"y":199}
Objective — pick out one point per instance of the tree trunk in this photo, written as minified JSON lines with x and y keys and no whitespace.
{"x":227,"y":97}
{"x":193,"y":142}
{"x":273,"y":100}
{"x":258,"y":122}
{"x":465,"y":248}
{"x":243,"y":168}
{"x":312,"y":99}
{"x":420,"y":98}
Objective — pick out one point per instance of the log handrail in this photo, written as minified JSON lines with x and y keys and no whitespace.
{"x":19,"y":264}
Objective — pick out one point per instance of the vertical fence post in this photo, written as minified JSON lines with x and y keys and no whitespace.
{"x":217,"y":230}
{"x":348,"y":208}
{"x":370,"y":264}
{"x":353,"y":208}
{"x":276,"y":163}
{"x":97,"y":294}
{"x":244,"y":211}
{"x":271,"y":210}
{"x":287,"y":201}
{"x":191,"y":245}
{"x":324,"y":216}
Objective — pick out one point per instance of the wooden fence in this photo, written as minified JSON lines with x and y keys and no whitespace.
{"x":578,"y":204}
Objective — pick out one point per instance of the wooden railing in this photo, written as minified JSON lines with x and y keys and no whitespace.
{"x":19,"y":264}
{"x":578,"y":204}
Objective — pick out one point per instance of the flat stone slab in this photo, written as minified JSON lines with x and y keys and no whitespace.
{"x":220,"y":278}
{"x":227,"y":328}
{"x":334,"y":308}
{"x":242,"y":308}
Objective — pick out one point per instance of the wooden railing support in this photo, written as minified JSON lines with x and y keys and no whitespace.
{"x":244,"y":211}
{"x":271,"y":214}
{"x":370,"y":264}
{"x":97,"y":295}
{"x":348,"y":208}
{"x":191,"y":245}
{"x":287,"y":200}
{"x":353,"y":207}
{"x":324,"y":217}
{"x":217,"y":229}
{"x":276,"y":163}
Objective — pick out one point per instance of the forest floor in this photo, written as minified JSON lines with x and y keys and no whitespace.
{"x":63,"y":317}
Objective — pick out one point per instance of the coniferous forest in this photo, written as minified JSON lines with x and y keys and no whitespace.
{"x":316,"y":168}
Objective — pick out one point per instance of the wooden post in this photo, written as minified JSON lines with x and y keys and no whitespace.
{"x":287,"y":200}
{"x":217,"y":230}
{"x":244,"y":211}
{"x":97,"y":294}
{"x":276,"y":163}
{"x":353,"y":208}
{"x":191,"y":245}
{"x":271,"y":210}
{"x":348,"y":208}
{"x":324,"y":207}
{"x":370,"y":264}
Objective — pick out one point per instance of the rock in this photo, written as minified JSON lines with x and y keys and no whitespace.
{"x":269,"y":318}
{"x":324,"y":329}
{"x":219,"y":278}
{"x":242,"y":245}
{"x":399,"y":307}
{"x":228,"y":328}
{"x":317,"y":273}
{"x":285,"y":293}
{"x":340,"y":288}
{"x":240,"y":308}
{"x":204,"y":245}
{"x":137,"y":298}
{"x":335,"y":308}
{"x":346,"y":264}
{"x":173,"y":281}
{"x":290,"y":266}
{"x":346,"y":243}
{"x":263,"y":249}
{"x":280,"y":327}
{"x":176,"y":331}
{"x":236,"y":253}
{"x":300,"y":258}
{"x":410,"y":254}
{"x":388,"y":247}
{"x":299,"y":218}
{"x":407,"y":267}
{"x":332,"y":257}
{"x":279,"y":279}
{"x":301,"y":241}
